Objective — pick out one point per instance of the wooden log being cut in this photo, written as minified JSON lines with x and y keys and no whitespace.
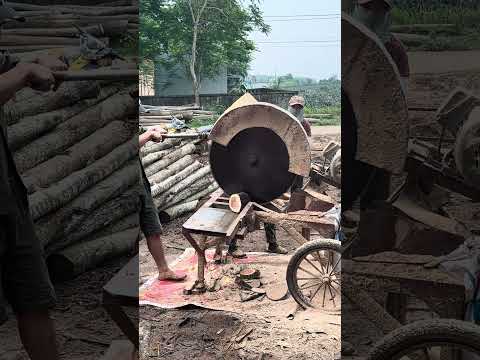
{"x":192,"y":189}
{"x":50,"y":199}
{"x":154,"y":147}
{"x":79,"y":258}
{"x":171,"y":181}
{"x":170,"y":159}
{"x":66,"y":95}
{"x":176,"y":211}
{"x":108,"y":213}
{"x":199,"y":195}
{"x":172,"y":169}
{"x":83,"y":153}
{"x":116,"y":107}
{"x":153,"y":157}
{"x":31,"y":127}
{"x":61,"y":223}
{"x":237,"y":202}
{"x":171,"y":193}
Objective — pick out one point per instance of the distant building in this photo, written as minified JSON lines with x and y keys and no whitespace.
{"x":176,"y":82}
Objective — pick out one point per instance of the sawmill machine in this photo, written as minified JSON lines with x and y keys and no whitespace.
{"x":376,"y":139}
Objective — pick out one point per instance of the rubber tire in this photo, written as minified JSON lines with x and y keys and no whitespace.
{"x":426,"y":332}
{"x":315,"y":245}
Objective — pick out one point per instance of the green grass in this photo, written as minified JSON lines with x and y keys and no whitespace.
{"x":195,"y":123}
{"x":327,"y":115}
{"x":463,"y":37}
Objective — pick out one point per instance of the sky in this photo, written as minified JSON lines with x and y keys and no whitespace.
{"x":304,"y":39}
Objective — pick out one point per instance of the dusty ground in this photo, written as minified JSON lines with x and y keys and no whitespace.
{"x":84,"y":330}
{"x":206,"y":334}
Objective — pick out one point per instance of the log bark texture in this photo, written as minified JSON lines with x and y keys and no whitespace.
{"x":116,"y":107}
{"x":191,"y":190}
{"x":197,"y":196}
{"x":172,"y":169}
{"x":176,"y":211}
{"x":155,"y":156}
{"x":79,"y":258}
{"x":170,"y":159}
{"x":154,"y":147}
{"x":61,"y":223}
{"x":171,"y":181}
{"x":54,"y":197}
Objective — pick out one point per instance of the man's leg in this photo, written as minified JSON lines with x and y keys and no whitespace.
{"x":37,"y":333}
{"x":155,"y":246}
{"x":270,"y":234}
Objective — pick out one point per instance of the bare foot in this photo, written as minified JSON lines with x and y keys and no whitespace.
{"x":171,"y":275}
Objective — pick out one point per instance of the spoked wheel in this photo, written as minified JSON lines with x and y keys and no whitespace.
{"x":314,"y":275}
{"x":430,"y":340}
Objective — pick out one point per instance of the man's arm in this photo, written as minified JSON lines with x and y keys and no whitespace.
{"x":152,"y":134}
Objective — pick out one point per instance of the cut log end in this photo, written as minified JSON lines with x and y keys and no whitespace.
{"x":238,"y":201}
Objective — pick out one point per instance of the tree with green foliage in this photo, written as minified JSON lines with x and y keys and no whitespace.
{"x":200,"y":35}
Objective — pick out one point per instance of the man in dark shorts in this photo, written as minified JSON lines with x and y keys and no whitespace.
{"x":24,"y":280}
{"x":149,"y":220}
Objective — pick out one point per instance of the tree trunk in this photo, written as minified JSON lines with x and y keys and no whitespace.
{"x":109,"y":213}
{"x":199,"y":195}
{"x":155,"y":156}
{"x":90,"y":149}
{"x":177,"y":211}
{"x":79,"y":258}
{"x":171,"y":181}
{"x":44,"y":201}
{"x":118,"y":106}
{"x":32,"y":127}
{"x":182,"y":190}
{"x":172,"y":169}
{"x":169,"y":194}
{"x":154,"y":147}
{"x":170,"y":159}
{"x":61,"y":223}
{"x":66,"y":95}
{"x":127,"y":222}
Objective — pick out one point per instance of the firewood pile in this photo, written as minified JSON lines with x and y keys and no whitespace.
{"x":156,"y":115}
{"x":54,"y":26}
{"x":178,"y":179}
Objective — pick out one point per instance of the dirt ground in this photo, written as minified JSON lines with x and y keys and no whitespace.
{"x":263,"y":334}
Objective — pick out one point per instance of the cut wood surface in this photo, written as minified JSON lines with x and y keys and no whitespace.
{"x":177,"y":211}
{"x":173,"y":168}
{"x":108,"y":213}
{"x":52,"y":198}
{"x":237,"y":202}
{"x":79,"y":258}
{"x":170,"y":159}
{"x":63,"y":222}
{"x":116,"y":107}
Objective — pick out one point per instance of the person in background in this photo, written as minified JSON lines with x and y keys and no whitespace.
{"x":149,"y":220}
{"x":376,"y":15}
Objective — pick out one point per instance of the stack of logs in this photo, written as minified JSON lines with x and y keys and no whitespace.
{"x":54,"y":26}
{"x":156,"y":115}
{"x":178,"y":180}
{"x":77,"y":152}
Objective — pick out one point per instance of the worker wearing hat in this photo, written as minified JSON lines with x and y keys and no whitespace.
{"x":24,"y":280}
{"x":376,"y":15}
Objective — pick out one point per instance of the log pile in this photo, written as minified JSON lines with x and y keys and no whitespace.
{"x":156,"y":115}
{"x":54,"y":26}
{"x":177,"y":178}
{"x":76,"y":148}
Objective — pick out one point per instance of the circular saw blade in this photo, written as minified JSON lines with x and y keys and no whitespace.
{"x":255,"y":161}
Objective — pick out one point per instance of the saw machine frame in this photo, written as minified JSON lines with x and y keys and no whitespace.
{"x":214,"y":224}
